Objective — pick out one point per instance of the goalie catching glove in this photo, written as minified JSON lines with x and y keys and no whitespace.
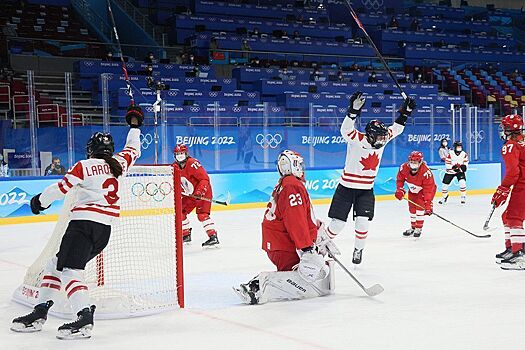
{"x":134,"y":112}
{"x":312,"y":266}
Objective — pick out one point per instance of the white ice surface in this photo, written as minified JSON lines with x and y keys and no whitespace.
{"x":443,"y":291}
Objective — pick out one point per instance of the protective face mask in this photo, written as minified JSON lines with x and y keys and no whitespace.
{"x":181,"y":157}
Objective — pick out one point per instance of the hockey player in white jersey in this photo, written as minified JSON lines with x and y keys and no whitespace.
{"x":89,"y":228}
{"x":363,"y":156}
{"x":455,"y":167}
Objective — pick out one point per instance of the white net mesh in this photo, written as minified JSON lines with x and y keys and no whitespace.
{"x":136,"y":274}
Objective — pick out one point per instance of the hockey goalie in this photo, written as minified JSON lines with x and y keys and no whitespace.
{"x":294,"y":243}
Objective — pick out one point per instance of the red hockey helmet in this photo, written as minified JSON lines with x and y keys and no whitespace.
{"x":180,"y":152}
{"x":415,"y":159}
{"x":511,"y":124}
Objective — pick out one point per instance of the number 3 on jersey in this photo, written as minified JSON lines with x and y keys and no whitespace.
{"x":112,"y":185}
{"x":295,"y":199}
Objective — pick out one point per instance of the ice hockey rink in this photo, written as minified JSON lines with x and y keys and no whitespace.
{"x":443,"y":291}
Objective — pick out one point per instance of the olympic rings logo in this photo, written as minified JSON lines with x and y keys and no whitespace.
{"x":372,"y":4}
{"x":268,"y":140}
{"x":476,"y":136}
{"x":145,"y":140}
{"x":151,"y":191}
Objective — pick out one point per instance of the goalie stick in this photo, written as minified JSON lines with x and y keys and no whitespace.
{"x":446,"y":220}
{"x":129,"y":91}
{"x":371,"y":42}
{"x":486,"y":225}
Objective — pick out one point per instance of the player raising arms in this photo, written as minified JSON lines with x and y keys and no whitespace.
{"x":89,"y":228}
{"x":456,"y":164}
{"x":195,"y":184}
{"x":421,"y":191}
{"x":289,"y":236}
{"x":513,"y":152}
{"x":363,"y":156}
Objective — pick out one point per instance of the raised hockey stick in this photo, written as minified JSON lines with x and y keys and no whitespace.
{"x":371,"y":42}
{"x":446,"y":220}
{"x":129,"y":91}
{"x":226,"y":202}
{"x":370,"y":291}
{"x":486,"y":225}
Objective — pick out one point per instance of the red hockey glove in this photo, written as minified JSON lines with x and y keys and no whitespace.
{"x":201,"y":191}
{"x":500,"y":196}
{"x":428,"y":208}
{"x":400,"y":193}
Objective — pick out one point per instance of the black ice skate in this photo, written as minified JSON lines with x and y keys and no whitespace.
{"x":417,"y":232}
{"x":443,"y":200}
{"x":358,"y":256}
{"x":81,"y":328}
{"x":247,"y":292}
{"x":34,"y":321}
{"x":515,"y":262}
{"x":213,"y":241}
{"x":507,"y":253}
{"x":408,"y":232}
{"x":186,"y":238}
{"x":463,"y":200}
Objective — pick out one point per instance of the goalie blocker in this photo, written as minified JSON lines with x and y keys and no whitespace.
{"x":293,"y":242}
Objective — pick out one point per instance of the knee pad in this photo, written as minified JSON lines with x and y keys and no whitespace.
{"x":335,"y":227}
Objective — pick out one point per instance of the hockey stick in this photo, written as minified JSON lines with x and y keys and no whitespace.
{"x":211,"y":200}
{"x":371,"y":42}
{"x":450,"y":222}
{"x":486,"y":225}
{"x":129,"y":92}
{"x":370,"y":291}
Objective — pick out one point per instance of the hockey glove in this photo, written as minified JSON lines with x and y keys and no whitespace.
{"x":408,"y":106}
{"x":463,"y":168}
{"x":500,"y":196}
{"x":36,"y":206}
{"x":134,"y":116}
{"x":400,"y":193}
{"x":323,"y":242}
{"x":201,"y":191}
{"x":357,"y":101}
{"x":312,"y":267}
{"x":428,"y":208}
{"x":456,"y":168}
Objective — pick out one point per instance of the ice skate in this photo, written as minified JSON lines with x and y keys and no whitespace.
{"x":417,"y":232}
{"x":443,"y":200}
{"x":358,"y":256}
{"x":507,"y":253}
{"x":34,"y":321}
{"x":79,"y":329}
{"x":515,"y":262}
{"x":186,"y":239}
{"x":212,"y":242}
{"x":408,"y":232}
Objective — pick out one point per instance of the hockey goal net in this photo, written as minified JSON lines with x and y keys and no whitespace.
{"x":140,"y":271}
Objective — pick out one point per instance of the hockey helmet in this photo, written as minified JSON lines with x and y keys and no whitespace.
{"x":458,"y":147}
{"x":100,"y":145}
{"x":511,"y":124}
{"x":376,"y":133}
{"x":290,"y":163}
{"x":180,"y":152}
{"x":415,"y":159}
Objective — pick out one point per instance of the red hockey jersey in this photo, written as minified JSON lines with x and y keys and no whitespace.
{"x":288,"y":224}
{"x":194,"y":178}
{"x":513,"y":152}
{"x":421,"y":182}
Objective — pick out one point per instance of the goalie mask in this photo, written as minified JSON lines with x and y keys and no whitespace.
{"x":415,"y":159}
{"x":100,"y":145}
{"x":290,"y":163}
{"x":376,"y":133}
{"x":511,"y":125}
{"x":180,"y":152}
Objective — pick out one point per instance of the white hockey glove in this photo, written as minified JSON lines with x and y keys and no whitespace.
{"x":312,"y":267}
{"x":357,"y":101}
{"x":323,"y":242}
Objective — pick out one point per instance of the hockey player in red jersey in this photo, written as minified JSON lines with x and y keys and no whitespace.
{"x":96,"y":208}
{"x":421,"y":190}
{"x":513,"y":152}
{"x":195,"y":184}
{"x":363,"y":156}
{"x":290,"y":239}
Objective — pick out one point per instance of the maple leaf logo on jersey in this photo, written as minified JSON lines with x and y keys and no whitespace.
{"x":371,"y":162}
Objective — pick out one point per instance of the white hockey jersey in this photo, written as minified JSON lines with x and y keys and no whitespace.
{"x":362,"y":160}
{"x":455,"y":159}
{"x":98,"y":189}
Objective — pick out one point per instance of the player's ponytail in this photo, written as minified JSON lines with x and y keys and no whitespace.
{"x":114,"y":165}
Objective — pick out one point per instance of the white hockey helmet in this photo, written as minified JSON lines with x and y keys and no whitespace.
{"x":290,"y":163}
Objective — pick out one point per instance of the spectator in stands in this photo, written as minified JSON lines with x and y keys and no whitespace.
{"x":414,"y":26}
{"x":109,"y":56}
{"x":372,"y":78}
{"x":354,"y":67}
{"x":148,"y":71}
{"x":214,"y":45}
{"x":55,"y":168}
{"x":393,"y":24}
{"x":4,"y":169}
{"x":245,"y":48}
{"x":296,"y":35}
{"x":191,"y":59}
{"x":255,"y":33}
{"x":419,"y":78}
{"x":150,"y":58}
{"x":340,"y":76}
{"x":315,"y":74}
{"x":284,"y":74}
{"x":406,"y":79}
{"x":255,"y":62}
